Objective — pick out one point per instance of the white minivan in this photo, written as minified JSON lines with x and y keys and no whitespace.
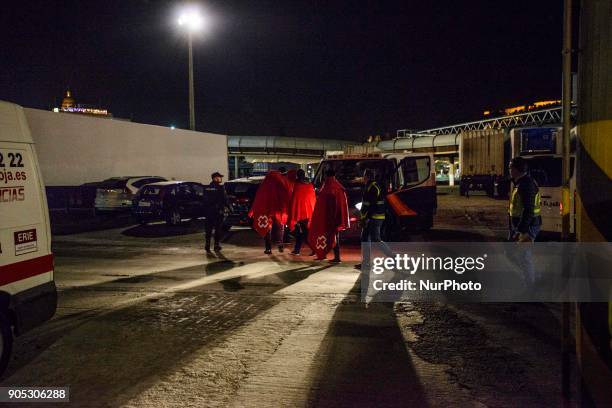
{"x":28,"y":295}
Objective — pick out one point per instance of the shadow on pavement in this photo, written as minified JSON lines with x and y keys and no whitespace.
{"x":532,"y":320}
{"x":64,"y":223}
{"x":366,"y":363}
{"x":246,"y":237}
{"x":448,"y":235}
{"x":121,"y":352}
{"x":160,"y":230}
{"x":221,"y":266}
{"x":493,"y":364}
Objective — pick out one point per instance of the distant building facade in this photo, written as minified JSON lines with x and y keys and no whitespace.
{"x":69,"y":105}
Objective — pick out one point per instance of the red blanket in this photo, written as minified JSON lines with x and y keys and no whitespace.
{"x":271,"y":203}
{"x":302,"y":203}
{"x":329,"y":217}
{"x":289,"y":179}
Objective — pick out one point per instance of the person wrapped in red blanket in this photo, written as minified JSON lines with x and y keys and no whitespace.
{"x":291,"y":176}
{"x":330,"y":216}
{"x":270,"y":209}
{"x":300,"y":209}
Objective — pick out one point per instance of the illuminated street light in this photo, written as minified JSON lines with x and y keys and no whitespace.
{"x":192,"y":21}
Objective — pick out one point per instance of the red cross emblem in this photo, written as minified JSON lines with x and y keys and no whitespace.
{"x":321,"y":242}
{"x":262,"y":221}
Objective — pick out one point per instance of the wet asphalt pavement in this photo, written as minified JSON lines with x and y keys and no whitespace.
{"x":146,"y":318}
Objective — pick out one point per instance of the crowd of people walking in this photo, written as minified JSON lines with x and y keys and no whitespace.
{"x":286,"y":200}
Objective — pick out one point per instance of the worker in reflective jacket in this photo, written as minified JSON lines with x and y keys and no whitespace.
{"x":372,"y":205}
{"x":524,"y":220}
{"x":372,"y":213}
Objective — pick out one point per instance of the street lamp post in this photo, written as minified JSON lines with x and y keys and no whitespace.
{"x":191,"y":90}
{"x":192,"y":21}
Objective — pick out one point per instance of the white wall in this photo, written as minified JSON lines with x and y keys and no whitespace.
{"x":74,"y":149}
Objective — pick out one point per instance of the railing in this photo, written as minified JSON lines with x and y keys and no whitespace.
{"x":534,"y":118}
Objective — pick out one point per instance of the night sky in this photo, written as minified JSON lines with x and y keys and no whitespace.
{"x":333,"y":69}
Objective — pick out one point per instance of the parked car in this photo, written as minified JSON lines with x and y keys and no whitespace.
{"x":169,"y":201}
{"x":241,"y":193}
{"x":117,"y":193}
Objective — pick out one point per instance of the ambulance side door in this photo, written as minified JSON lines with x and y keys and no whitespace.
{"x":416,"y":188}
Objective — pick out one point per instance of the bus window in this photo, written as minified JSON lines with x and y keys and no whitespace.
{"x":538,"y":140}
{"x":546,"y":170}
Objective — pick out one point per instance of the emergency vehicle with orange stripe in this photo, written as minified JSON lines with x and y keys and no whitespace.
{"x":28,"y":295}
{"x":408,"y":180}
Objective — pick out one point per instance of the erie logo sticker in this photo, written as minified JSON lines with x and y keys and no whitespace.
{"x":25,"y":241}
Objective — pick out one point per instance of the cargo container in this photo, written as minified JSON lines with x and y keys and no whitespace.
{"x":483,"y":161}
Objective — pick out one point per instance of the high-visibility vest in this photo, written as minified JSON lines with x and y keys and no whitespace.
{"x":515,"y":208}
{"x":373,"y":210}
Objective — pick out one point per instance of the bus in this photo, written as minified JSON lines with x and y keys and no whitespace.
{"x":542,"y":147}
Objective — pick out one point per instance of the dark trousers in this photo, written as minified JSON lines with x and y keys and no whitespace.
{"x":337,"y":247}
{"x":370,"y":232}
{"x":301,"y":234}
{"x":213,"y":222}
{"x":276,"y":235}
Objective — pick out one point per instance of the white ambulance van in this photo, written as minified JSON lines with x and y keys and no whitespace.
{"x":28,"y":295}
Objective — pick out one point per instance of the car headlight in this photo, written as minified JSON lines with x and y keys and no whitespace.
{"x":358,"y":206}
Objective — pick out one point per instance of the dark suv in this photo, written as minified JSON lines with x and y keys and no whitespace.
{"x":241,"y":193}
{"x":170,"y":201}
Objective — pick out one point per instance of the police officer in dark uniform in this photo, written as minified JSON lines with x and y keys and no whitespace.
{"x":216,"y":202}
{"x":524,"y":207}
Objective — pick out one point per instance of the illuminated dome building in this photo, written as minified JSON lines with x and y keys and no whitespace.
{"x":68,"y":101}
{"x":69,"y":106}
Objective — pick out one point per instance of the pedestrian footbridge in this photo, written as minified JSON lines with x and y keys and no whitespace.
{"x":443,"y":141}
{"x":283,"y":147}
{"x":244,"y":150}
